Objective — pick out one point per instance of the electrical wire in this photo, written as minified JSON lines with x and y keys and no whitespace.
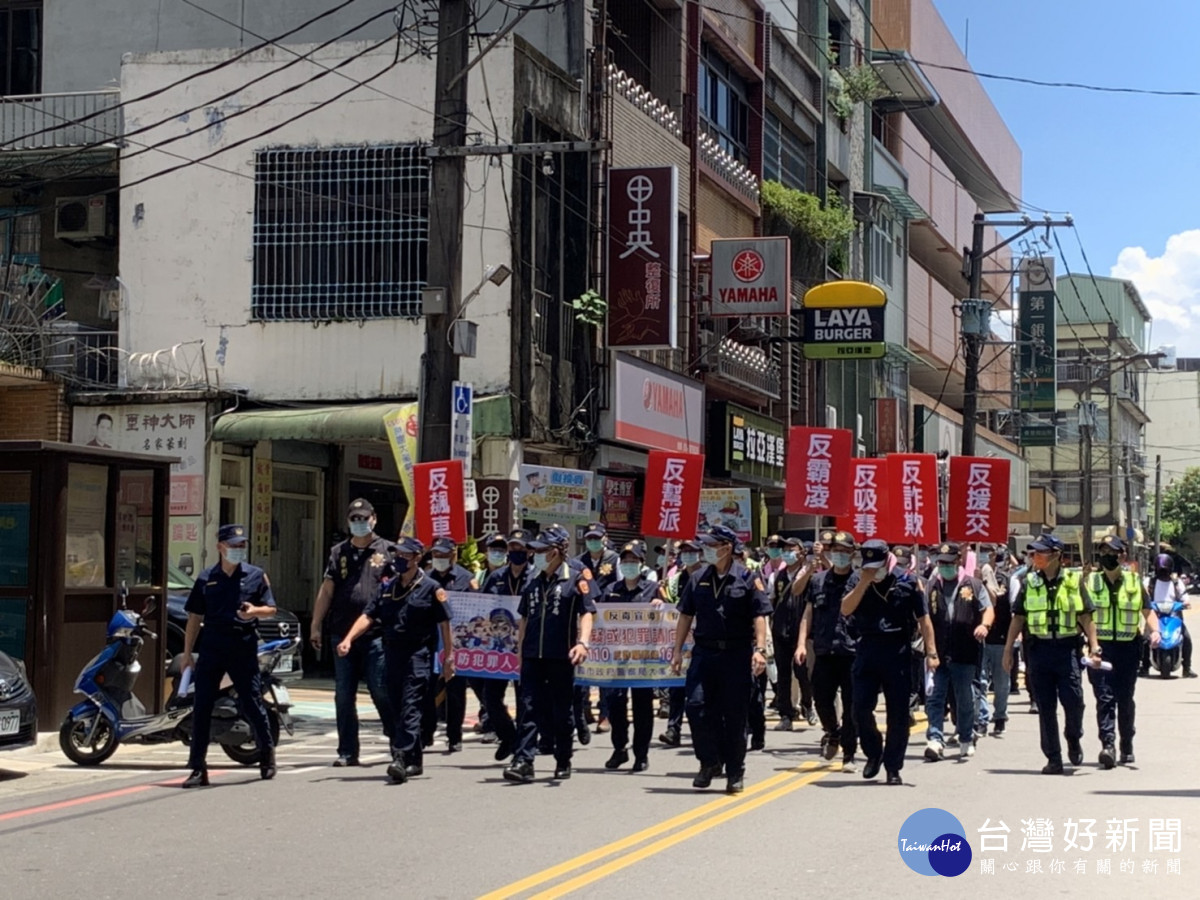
{"x":1092,"y":275}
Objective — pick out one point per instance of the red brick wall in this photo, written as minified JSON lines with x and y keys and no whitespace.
{"x":34,"y":412}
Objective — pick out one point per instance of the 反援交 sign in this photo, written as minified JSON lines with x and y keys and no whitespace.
{"x":550,"y":494}
{"x":978,"y":508}
{"x":631,"y":646}
{"x":484,"y":630}
{"x":752,"y":276}
{"x":643,"y":248}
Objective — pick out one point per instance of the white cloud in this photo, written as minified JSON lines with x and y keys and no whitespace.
{"x":1170,"y":286}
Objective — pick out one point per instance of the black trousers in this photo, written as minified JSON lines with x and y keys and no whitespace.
{"x":498,"y":717}
{"x":547,"y":694}
{"x":409,"y":680}
{"x":718,"y":699}
{"x":833,"y":673}
{"x":1114,"y":692}
{"x":676,"y":700}
{"x":785,"y":662}
{"x":1056,"y":679}
{"x":883,"y":665}
{"x":756,"y":712}
{"x":235,"y":653}
{"x":642,"y":700}
{"x":456,"y":709}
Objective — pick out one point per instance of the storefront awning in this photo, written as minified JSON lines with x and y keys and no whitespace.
{"x":350,"y":423}
{"x":363,"y":422}
{"x":902,"y":201}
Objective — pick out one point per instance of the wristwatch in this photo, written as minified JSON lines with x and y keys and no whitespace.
{"x":762,"y":650}
{"x":583,"y":644}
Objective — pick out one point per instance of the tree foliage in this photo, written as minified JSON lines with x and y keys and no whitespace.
{"x":1181,"y":506}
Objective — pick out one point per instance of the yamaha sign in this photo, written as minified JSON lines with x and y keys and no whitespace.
{"x":751,"y":277}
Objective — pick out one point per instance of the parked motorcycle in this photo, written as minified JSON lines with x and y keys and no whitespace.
{"x":112,"y":715}
{"x":1166,"y":656}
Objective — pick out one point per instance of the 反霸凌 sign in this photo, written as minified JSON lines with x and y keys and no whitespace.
{"x":818,"y":471}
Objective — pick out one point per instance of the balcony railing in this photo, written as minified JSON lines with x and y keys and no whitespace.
{"x":739,"y":177}
{"x":624,"y":85}
{"x":49,"y":121}
{"x":744,"y":365}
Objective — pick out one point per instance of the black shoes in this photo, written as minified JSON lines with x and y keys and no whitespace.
{"x":894,"y":778}
{"x":784,"y":725}
{"x":1127,"y":758}
{"x":829,"y":746}
{"x":1033,"y":708}
{"x":503,"y":752}
{"x":618,"y":759}
{"x":1108,"y":757}
{"x":455,"y":748}
{"x":563,"y":772}
{"x":198,"y":778}
{"x":414,"y":771}
{"x":734,"y":785}
{"x":998,"y":726}
{"x":266,"y":769}
{"x":669,"y":738}
{"x":1054,"y":767}
{"x":343,"y":761}
{"x":396,"y":772}
{"x":705,"y":776}
{"x":641,"y":764}
{"x":871,"y":769}
{"x":519,"y":773}
{"x":758,"y":742}
{"x":1075,"y":753}
{"x":585,"y":736}
{"x":1188,"y":673}
{"x":810,"y":717}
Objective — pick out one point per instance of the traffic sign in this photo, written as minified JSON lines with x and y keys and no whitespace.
{"x":462,"y":430}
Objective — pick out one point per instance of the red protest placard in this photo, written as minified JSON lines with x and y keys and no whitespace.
{"x":978,"y":500}
{"x":671,"y":507}
{"x":868,"y":515}
{"x":438,"y":497}
{"x":912,"y":488}
{"x":818,"y":471}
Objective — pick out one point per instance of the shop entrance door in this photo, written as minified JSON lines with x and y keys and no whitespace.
{"x":295,"y":569}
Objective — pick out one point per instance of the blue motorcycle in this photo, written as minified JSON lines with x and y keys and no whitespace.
{"x":112,"y":715}
{"x":1166,"y":656}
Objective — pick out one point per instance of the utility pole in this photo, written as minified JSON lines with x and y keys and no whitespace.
{"x":444,"y":262}
{"x":1157,"y":505}
{"x":1086,"y":420}
{"x":1129,"y":532}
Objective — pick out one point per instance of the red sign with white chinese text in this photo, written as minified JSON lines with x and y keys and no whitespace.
{"x":978,"y":500}
{"x":643,"y":248}
{"x":618,"y":502}
{"x":441,"y":510}
{"x":912,"y":489}
{"x":671,"y":507}
{"x":868,"y":515}
{"x":818,"y":471}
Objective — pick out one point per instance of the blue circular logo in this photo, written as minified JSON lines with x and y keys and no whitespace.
{"x":933,"y":842}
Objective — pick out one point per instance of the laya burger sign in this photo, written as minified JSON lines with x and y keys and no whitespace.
{"x":844,"y":320}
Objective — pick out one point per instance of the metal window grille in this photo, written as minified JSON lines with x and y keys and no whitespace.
{"x":340,"y":232}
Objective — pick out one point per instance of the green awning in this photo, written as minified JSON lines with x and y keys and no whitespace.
{"x":342,"y":424}
{"x":900,"y":354}
{"x":901,"y":201}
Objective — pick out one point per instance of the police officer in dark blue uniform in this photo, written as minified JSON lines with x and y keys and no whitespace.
{"x":729,"y":606}
{"x":509,"y":580}
{"x":601,"y":560}
{"x":834,"y":646}
{"x":356,"y":566}
{"x":884,"y":610}
{"x":633,"y":587}
{"x":228,"y":599}
{"x":450,"y":576}
{"x":411,"y":610}
{"x":556,"y":610}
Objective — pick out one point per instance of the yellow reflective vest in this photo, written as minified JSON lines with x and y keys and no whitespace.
{"x":1068,"y":603}
{"x":1116,"y":621}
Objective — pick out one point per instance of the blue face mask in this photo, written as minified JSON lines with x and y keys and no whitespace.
{"x":689,"y":558}
{"x":518,"y":557}
{"x":541,"y":561}
{"x":235,"y":555}
{"x":948,"y":573}
{"x":711,"y":555}
{"x":791,"y":557}
{"x":441,"y":564}
{"x":774,"y":552}
{"x":839,"y":560}
{"x":360,"y":528}
{"x":663,"y":560}
{"x":497,"y":557}
{"x":594,"y":545}
{"x":630,"y":570}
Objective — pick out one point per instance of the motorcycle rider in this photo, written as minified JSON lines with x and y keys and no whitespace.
{"x":1166,"y":585}
{"x":228,"y":599}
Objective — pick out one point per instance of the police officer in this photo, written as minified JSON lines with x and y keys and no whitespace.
{"x":601,"y":561}
{"x":411,"y":611}
{"x":1121,"y":602}
{"x":834,"y":647}
{"x":962,"y":614}
{"x":633,"y":587}
{"x":351,"y":581}
{"x":787,"y":589}
{"x":510,"y":580}
{"x":451,"y":577}
{"x":1055,"y":605}
{"x":691,"y":560}
{"x":729,"y":606}
{"x":228,"y":599}
{"x":885,"y":609}
{"x":557,"y":608}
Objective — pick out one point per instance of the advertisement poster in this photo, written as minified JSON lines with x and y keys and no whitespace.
{"x":618,"y":503}
{"x":484,"y":627}
{"x":87,"y":501}
{"x":631,"y":647}
{"x":729,"y":507}
{"x":549,"y":494}
{"x":401,"y":427}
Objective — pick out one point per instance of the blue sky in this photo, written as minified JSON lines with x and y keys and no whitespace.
{"x":1125,"y":166}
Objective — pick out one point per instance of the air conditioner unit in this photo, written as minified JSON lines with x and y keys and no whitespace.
{"x":80,"y":218}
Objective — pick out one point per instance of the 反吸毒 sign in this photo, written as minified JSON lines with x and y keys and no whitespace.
{"x":868,"y":515}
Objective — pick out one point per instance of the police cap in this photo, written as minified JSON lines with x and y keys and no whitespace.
{"x":232,"y":534}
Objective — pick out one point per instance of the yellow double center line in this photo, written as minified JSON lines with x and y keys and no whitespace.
{"x":710,"y":815}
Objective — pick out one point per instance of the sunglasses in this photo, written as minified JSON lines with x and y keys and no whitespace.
{"x":360,"y":518}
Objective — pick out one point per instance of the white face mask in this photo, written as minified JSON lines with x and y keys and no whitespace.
{"x":662,"y":561}
{"x":360,"y":529}
{"x":441,"y":565}
{"x":497,"y":557}
{"x":839,"y":560}
{"x":235,"y":555}
{"x":711,"y":555}
{"x":689,"y":558}
{"x":541,"y":561}
{"x":630,"y":570}
{"x":881,"y":573}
